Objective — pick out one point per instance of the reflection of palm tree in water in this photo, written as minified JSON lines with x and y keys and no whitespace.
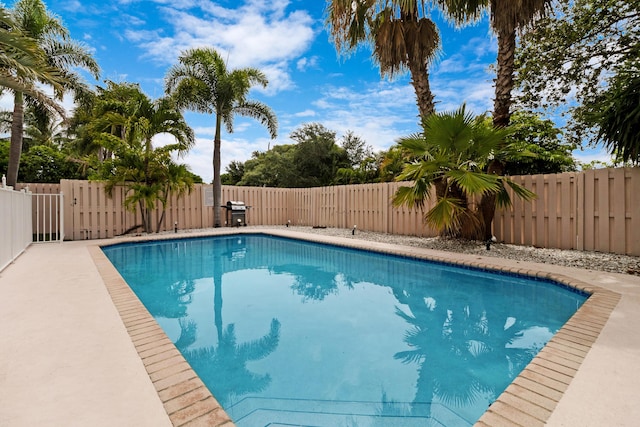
{"x":223,"y":367}
{"x":188,"y":333}
{"x":468,"y":340}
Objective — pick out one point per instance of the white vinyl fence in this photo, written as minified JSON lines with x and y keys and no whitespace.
{"x":16,"y":228}
{"x":48,"y":217}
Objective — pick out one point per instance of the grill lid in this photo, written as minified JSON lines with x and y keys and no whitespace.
{"x":235,"y":205}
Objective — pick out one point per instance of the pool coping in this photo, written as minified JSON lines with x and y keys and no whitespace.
{"x":528,"y":401}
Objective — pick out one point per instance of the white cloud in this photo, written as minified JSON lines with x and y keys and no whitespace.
{"x":476,"y":93}
{"x":453,"y":64}
{"x":73,"y":6}
{"x":305,"y":63}
{"x":200,"y":157}
{"x":279,"y":79}
{"x":380,"y":113}
{"x":202,"y":131}
{"x":305,"y":113}
{"x":589,"y":155}
{"x":257,"y":34}
{"x":6,"y":101}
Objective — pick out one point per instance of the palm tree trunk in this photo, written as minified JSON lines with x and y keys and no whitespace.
{"x":15,"y":149}
{"x":501,"y":117}
{"x":164,"y":210}
{"x":420,"y":82}
{"x":217,"y":184}
{"x":504,"y":78}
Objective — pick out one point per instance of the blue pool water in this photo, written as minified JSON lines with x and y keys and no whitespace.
{"x":285,"y":332}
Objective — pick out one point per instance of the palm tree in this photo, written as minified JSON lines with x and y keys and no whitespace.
{"x":91,"y":119}
{"x":201,"y":82}
{"x":148,"y":173}
{"x":507,"y":17}
{"x":22,"y":60}
{"x":400,"y":34}
{"x":450,"y":156}
{"x":60,"y":53}
{"x":42,"y":128}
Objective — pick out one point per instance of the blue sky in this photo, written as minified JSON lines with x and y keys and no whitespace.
{"x":138,"y":40}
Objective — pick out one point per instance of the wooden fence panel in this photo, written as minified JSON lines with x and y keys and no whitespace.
{"x":617,"y":211}
{"x":591,"y":210}
{"x":540,"y":237}
{"x":632,"y":211}
{"x":528,"y":214}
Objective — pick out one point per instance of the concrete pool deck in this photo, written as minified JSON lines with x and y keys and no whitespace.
{"x":77,"y":351}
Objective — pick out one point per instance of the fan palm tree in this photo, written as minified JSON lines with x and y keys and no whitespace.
{"x":60,"y":54}
{"x":201,"y":82}
{"x":450,"y":156}
{"x":401,"y":35}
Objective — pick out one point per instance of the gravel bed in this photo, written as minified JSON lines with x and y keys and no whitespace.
{"x":570,"y":258}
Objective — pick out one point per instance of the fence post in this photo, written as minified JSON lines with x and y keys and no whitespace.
{"x":580,"y":205}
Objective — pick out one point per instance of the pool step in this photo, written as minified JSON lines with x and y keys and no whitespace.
{"x":253,"y":411}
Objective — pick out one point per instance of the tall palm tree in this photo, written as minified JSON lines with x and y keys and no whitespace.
{"x":60,"y":54}
{"x":507,"y":17}
{"x":22,"y":60}
{"x":450,"y":156}
{"x":201,"y":82}
{"x":401,"y":35}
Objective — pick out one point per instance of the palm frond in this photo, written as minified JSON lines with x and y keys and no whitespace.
{"x":474,"y":183}
{"x":446,"y":214}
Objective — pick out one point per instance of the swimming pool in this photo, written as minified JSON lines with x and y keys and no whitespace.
{"x":320,"y":335}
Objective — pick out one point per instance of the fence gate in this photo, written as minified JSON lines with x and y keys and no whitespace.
{"x":48,"y":217}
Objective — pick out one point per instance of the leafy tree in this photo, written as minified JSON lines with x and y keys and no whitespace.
{"x":585,"y":49}
{"x":317,"y":157}
{"x":4,"y":156}
{"x":367,"y":171}
{"x":202,"y":83}
{"x":273,"y":168}
{"x":363,"y":164}
{"x":60,"y":53}
{"x":235,"y":172}
{"x":44,"y":163}
{"x":92,"y":119}
{"x":357,"y":149}
{"x":392,"y":162}
{"x":400,"y":34}
{"x":42,"y":128}
{"x":540,"y":142}
{"x":450,"y":156}
{"x":617,"y":114}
